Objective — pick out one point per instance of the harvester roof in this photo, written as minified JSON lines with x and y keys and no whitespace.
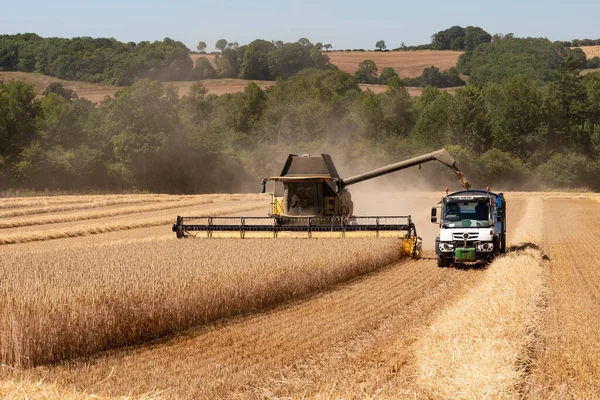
{"x":306,"y":167}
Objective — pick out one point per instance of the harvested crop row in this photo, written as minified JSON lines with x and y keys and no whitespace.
{"x":21,"y":202}
{"x":481,"y":346}
{"x":121,"y":225}
{"x":23,"y":387}
{"x":62,"y":304}
{"x":27,"y":211}
{"x":568,"y":362}
{"x":87,"y":215}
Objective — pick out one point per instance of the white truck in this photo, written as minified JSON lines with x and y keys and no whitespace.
{"x":472,"y":227}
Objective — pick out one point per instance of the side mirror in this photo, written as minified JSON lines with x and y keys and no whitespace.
{"x":434,"y":215}
{"x":264,"y":186}
{"x":500,"y":214}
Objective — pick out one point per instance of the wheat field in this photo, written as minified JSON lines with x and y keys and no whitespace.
{"x":98,"y":299}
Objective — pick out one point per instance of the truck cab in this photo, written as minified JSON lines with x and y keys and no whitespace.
{"x":472,"y":227}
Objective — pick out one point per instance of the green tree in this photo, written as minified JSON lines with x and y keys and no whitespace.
{"x":367,"y":72}
{"x":443,"y":39}
{"x":18,"y":110}
{"x":305,"y":42}
{"x":145,"y":130}
{"x":517,"y":117}
{"x":228,"y":63}
{"x":328,"y":47}
{"x":474,"y":36}
{"x":203,"y":69}
{"x":319,"y":46}
{"x":431,"y":129}
{"x":60,"y":90}
{"x":221,"y":44}
{"x":292,"y":58}
{"x":468,"y":119}
{"x":386,"y":74}
{"x":572,"y":107}
{"x":380,"y":45}
{"x":255,"y":64}
{"x":201,"y":46}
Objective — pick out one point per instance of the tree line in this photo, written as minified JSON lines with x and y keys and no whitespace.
{"x":520,"y":133}
{"x":116,"y":63}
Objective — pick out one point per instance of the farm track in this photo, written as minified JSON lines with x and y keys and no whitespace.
{"x":568,"y":361}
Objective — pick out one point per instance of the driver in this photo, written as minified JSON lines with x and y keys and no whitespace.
{"x":453,"y":209}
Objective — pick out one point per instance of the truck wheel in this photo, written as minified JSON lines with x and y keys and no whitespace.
{"x":443,"y":262}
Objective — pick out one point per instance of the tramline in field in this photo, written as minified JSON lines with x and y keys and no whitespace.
{"x":311,"y":199}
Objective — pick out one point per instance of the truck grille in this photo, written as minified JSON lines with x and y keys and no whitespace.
{"x":460,"y":236}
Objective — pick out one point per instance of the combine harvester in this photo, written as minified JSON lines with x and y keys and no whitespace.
{"x":311,"y":199}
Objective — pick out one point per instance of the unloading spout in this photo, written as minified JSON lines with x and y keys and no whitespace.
{"x":441,"y":155}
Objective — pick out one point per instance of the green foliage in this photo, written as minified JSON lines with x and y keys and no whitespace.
{"x":498,"y":168}
{"x":433,"y":77}
{"x":201,"y":47}
{"x":469,"y":120}
{"x":507,"y":56}
{"x":431,"y":129}
{"x":95,"y":60}
{"x":18,"y":108}
{"x":221,"y":44}
{"x":380,"y":45}
{"x":459,"y":38}
{"x":60,"y":90}
{"x":519,"y":130}
{"x":593,"y":63}
{"x":517,"y":116}
{"x":203,"y":69}
{"x":228,"y":63}
{"x":367,"y":72}
{"x":474,"y":36}
{"x":255,"y":64}
{"x":568,"y":170}
{"x":386,"y":74}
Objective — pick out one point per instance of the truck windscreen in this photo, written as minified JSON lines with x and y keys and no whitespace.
{"x":466,"y":214}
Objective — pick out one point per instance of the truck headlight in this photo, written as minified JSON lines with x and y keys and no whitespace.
{"x":485,"y":247}
{"x":446,"y":247}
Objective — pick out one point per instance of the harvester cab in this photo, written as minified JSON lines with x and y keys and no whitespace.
{"x":308,"y":187}
{"x":310,"y":198}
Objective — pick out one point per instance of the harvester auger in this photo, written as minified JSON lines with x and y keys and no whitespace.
{"x":310,"y":198}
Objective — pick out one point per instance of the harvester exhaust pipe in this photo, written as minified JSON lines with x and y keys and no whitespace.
{"x":441,"y":155}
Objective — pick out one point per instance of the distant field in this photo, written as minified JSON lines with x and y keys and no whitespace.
{"x":97,"y":92}
{"x":590,"y":51}
{"x":93,"y":91}
{"x":407,"y":64}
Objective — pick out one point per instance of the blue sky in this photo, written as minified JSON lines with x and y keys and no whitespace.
{"x":345,"y":24}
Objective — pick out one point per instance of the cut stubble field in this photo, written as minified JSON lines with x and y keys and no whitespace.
{"x":156,"y":317}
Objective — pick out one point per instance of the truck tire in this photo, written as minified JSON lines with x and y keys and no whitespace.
{"x":503,"y":244}
{"x":443,"y":262}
